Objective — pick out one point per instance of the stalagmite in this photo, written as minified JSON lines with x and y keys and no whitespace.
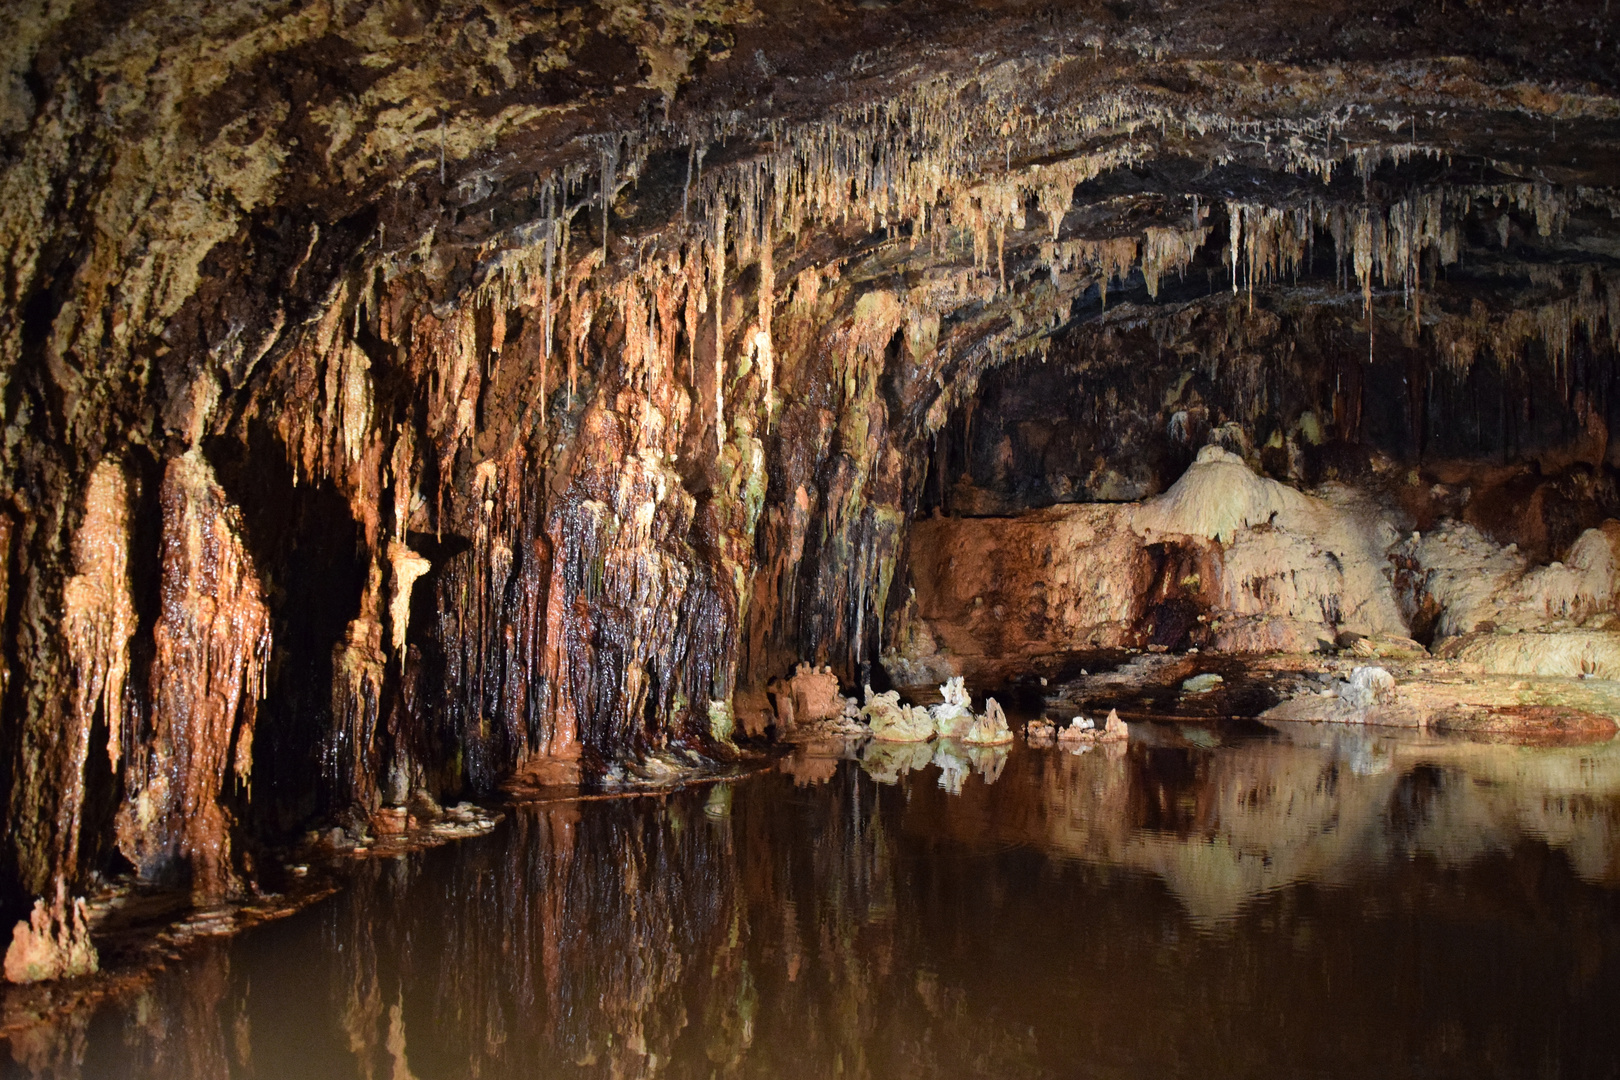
{"x":954,"y":715}
{"x":990,"y":729}
{"x":52,"y":943}
{"x":815,"y":694}
{"x":892,"y":722}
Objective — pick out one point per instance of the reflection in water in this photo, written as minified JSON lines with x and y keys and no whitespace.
{"x":1294,"y":901}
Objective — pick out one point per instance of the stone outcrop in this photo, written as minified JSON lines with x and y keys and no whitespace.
{"x":1224,"y":559}
{"x":1235,"y":562}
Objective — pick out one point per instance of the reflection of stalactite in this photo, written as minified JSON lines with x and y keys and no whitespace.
{"x":212,"y":644}
{"x":396,"y":1042}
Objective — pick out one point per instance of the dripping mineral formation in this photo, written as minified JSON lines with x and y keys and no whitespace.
{"x":401,"y":400}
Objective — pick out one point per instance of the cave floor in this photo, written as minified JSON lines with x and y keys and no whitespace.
{"x":1226,"y":898}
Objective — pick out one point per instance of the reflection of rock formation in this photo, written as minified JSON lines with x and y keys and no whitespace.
{"x":876,"y":927}
{"x":1224,"y":827}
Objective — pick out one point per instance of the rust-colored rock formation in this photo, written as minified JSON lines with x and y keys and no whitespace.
{"x":211,"y":648}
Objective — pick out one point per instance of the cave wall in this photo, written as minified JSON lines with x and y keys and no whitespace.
{"x":396,"y":394}
{"x":1515,"y":442}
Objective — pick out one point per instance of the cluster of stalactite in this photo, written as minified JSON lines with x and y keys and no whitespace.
{"x":181,"y":738}
{"x":661,"y":457}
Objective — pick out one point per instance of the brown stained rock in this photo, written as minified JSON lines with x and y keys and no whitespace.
{"x":390,"y":820}
{"x":542,"y":772}
{"x":212,"y":642}
{"x":815,"y":695}
{"x":357,"y":703}
{"x":1528,"y":725}
{"x":994,"y":589}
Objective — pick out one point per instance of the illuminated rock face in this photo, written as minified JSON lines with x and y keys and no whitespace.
{"x":395,"y":398}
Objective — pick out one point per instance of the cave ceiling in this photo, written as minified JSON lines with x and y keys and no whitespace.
{"x":190,"y":185}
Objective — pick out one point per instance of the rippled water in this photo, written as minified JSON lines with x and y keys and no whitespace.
{"x":1204,"y":902}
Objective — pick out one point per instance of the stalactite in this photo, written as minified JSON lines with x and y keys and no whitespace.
{"x":1170,"y":250}
{"x":763,"y":348}
{"x":7,"y":530}
{"x":596,"y":564}
{"x":98,"y":621}
{"x":352,"y":756}
{"x":408,"y":567}
{"x":718,"y":279}
{"x":212,"y":644}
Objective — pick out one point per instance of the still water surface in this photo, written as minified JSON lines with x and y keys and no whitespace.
{"x":1277,"y":902}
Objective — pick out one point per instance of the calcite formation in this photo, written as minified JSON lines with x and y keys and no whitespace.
{"x":1084,"y":733}
{"x":397,"y":398}
{"x":991,"y":728}
{"x":53,"y":943}
{"x":892,"y":722}
{"x":212,"y":645}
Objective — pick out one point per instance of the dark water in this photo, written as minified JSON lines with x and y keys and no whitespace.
{"x":1201,"y":903}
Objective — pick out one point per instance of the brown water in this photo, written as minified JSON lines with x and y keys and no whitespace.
{"x":1205,"y":902}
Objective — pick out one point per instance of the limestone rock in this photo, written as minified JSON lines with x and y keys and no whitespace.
{"x":815,"y":694}
{"x":52,"y":943}
{"x":990,"y":729}
{"x":1366,"y":687}
{"x":891,"y":721}
{"x":1566,"y":652}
